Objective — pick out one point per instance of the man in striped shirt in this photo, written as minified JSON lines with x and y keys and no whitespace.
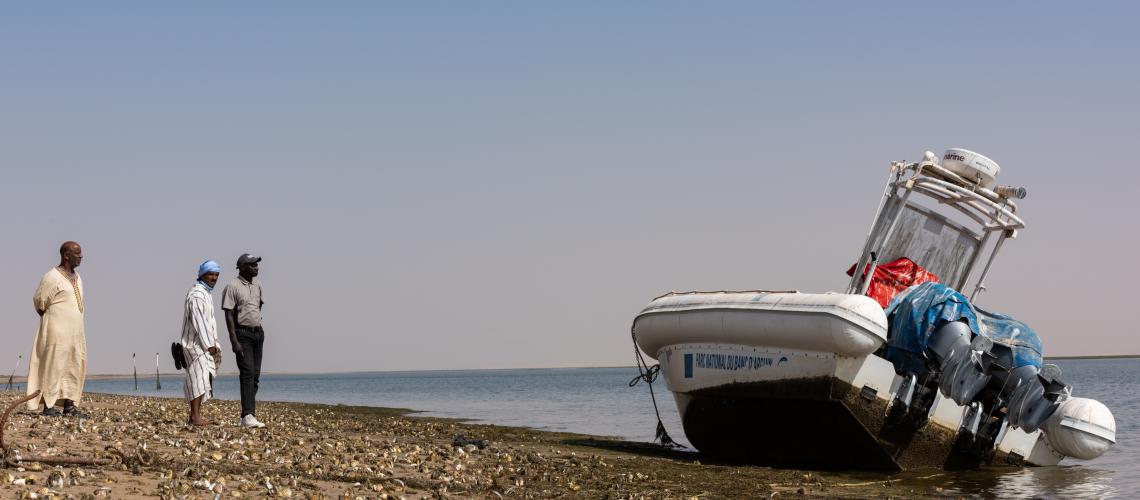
{"x":200,"y":349}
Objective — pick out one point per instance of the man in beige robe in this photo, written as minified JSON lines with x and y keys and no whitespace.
{"x":58,"y":363}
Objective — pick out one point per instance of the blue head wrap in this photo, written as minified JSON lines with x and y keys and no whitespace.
{"x":208,"y":267}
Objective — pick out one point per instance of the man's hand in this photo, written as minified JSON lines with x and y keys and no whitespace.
{"x":231,"y":327}
{"x":214,"y":350}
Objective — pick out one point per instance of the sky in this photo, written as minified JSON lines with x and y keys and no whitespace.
{"x":453,"y":185}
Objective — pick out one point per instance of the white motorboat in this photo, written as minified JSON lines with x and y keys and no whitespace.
{"x":853,"y":380}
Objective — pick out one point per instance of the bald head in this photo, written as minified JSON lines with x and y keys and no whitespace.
{"x":70,"y":255}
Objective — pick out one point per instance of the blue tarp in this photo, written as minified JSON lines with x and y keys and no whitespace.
{"x":914,"y":314}
{"x":1021,"y":339}
{"x":921,"y":309}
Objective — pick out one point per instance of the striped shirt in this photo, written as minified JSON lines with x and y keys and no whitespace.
{"x":199,"y":334}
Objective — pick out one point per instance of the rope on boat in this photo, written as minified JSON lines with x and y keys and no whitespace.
{"x":649,"y":374}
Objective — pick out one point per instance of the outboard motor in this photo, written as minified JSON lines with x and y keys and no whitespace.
{"x":994,"y":360}
{"x":961,"y":361}
{"x":1031,"y":393}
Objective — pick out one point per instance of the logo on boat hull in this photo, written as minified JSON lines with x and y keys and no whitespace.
{"x":728,"y":362}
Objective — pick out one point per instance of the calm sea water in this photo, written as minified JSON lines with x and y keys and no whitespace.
{"x":599,"y":401}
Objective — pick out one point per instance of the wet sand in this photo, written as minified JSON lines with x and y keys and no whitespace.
{"x":321,"y":451}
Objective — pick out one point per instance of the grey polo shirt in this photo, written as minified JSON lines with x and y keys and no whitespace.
{"x":244,"y":297}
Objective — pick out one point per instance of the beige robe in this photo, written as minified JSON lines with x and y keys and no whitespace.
{"x":58,"y":363}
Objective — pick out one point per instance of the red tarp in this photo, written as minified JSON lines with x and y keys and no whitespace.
{"x":894,"y":277}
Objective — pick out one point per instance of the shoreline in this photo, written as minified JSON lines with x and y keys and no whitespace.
{"x":315,"y":451}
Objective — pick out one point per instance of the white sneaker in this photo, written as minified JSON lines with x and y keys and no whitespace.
{"x":250,"y":421}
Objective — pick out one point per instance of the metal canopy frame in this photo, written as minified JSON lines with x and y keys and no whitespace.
{"x":992,"y":211}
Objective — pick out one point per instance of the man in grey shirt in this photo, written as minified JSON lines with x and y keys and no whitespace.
{"x":242,"y":303}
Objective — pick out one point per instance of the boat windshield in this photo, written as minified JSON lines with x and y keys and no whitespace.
{"x":934,"y":242}
{"x":951,"y":248}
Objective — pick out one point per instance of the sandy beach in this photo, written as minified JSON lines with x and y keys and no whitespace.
{"x":320,"y":451}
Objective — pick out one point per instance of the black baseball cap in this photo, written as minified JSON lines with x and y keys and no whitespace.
{"x":247,"y":258}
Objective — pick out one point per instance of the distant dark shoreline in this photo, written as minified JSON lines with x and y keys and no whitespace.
{"x":1110,"y":356}
{"x":178,"y":375}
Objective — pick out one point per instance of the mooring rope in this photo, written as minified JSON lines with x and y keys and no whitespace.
{"x":649,"y":374}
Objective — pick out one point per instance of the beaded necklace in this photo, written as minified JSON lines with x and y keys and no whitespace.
{"x":74,"y":279}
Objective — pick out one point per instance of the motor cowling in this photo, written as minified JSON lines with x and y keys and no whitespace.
{"x":993,"y":363}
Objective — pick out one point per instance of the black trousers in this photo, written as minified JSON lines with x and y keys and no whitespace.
{"x":249,"y":366}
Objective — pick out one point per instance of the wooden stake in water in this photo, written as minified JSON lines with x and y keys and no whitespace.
{"x":157,"y":378}
{"x":13,"y":375}
{"x":136,"y":367}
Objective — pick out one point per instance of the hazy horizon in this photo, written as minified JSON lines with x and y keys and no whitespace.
{"x":506,"y":184}
{"x":169,"y":372}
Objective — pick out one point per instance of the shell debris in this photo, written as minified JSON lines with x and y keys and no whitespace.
{"x":315,"y":451}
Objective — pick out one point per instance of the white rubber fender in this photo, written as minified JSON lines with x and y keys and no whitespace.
{"x":1081,"y":428}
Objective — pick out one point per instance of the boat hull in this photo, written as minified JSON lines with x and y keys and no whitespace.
{"x":813,"y":410}
{"x":782,"y":424}
{"x":792,"y":380}
{"x":819,"y":424}
{"x":798,"y":409}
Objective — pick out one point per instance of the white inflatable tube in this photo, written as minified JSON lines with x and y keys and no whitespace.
{"x":1081,"y":428}
{"x":848,"y":325}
